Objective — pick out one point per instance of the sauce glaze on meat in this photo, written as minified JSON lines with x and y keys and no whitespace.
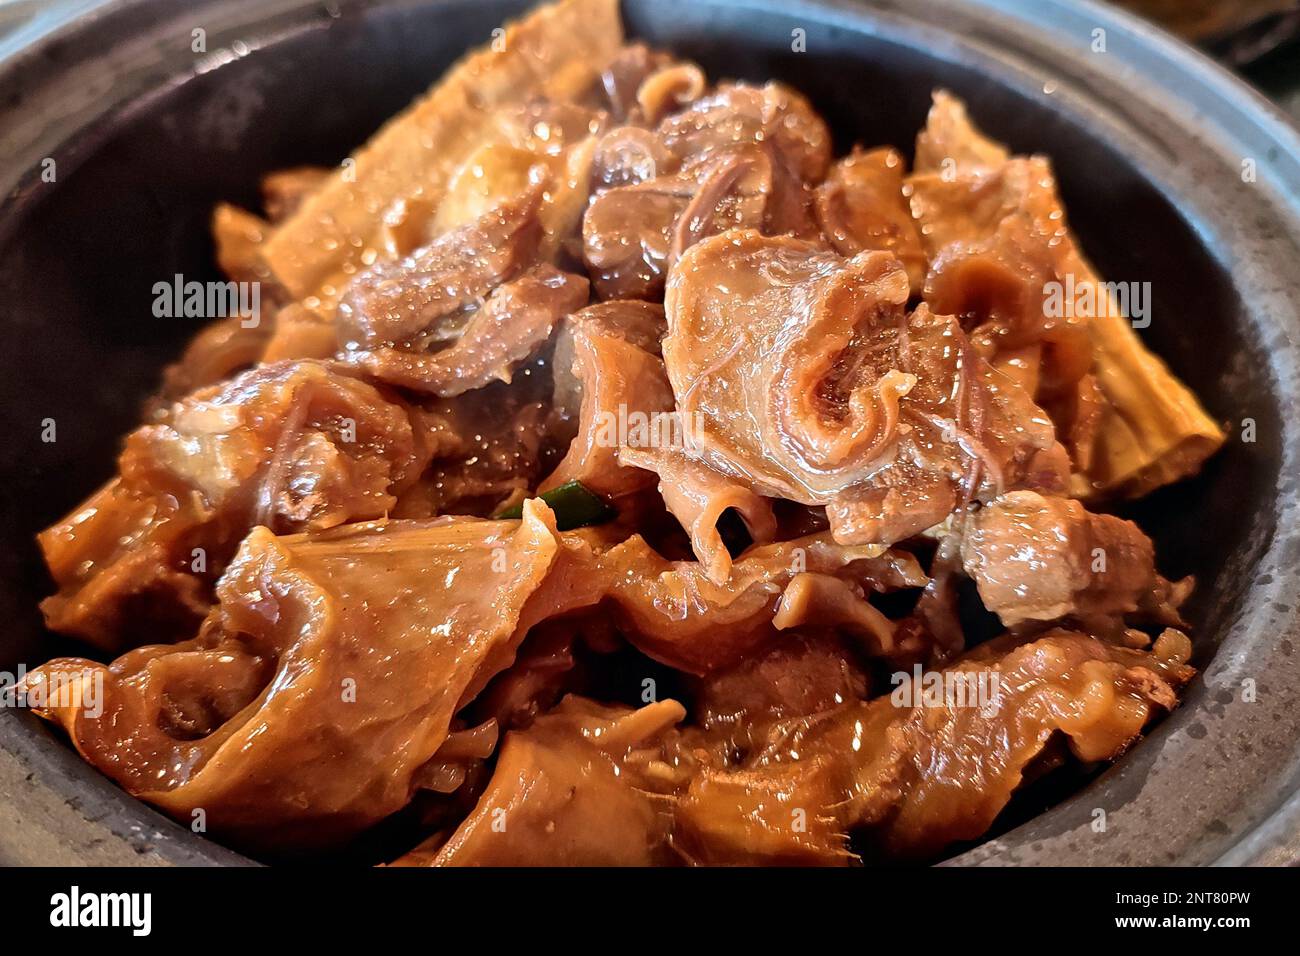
{"x":603,"y":485}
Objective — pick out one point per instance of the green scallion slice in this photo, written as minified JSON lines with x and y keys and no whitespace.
{"x":574,"y":504}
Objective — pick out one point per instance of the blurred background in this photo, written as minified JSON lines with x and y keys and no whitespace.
{"x":1259,"y":39}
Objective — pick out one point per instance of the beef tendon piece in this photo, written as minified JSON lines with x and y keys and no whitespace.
{"x":861,"y":207}
{"x":632,"y":235}
{"x":223,"y":349}
{"x":426,"y":297}
{"x":794,"y":675}
{"x":1035,"y":558}
{"x":512,"y":325}
{"x":585,"y":785}
{"x":668,"y":89}
{"x":998,"y":242}
{"x":555,"y":53}
{"x":788,"y":766}
{"x":810,"y":382}
{"x":966,"y":762}
{"x":950,"y":140}
{"x":291,"y":446}
{"x":739,"y":113}
{"x":641,"y":85}
{"x":995,"y":231}
{"x":623,"y":77}
{"x":484,"y":446}
{"x":740,"y":156}
{"x":626,"y":156}
{"x":674,"y":613}
{"x":623,"y":395}
{"x":638,"y":323}
{"x":911,"y":775}
{"x":595,"y":785}
{"x":326,"y":677}
{"x":462,"y":312}
{"x":823,"y":600}
{"x":120,"y":561}
{"x":698,"y":497}
{"x":755,"y":328}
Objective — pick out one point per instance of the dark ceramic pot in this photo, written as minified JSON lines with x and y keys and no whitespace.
{"x":1148,"y":138}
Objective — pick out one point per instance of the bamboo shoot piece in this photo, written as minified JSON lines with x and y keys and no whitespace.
{"x":556,"y":52}
{"x":1153,"y":430}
